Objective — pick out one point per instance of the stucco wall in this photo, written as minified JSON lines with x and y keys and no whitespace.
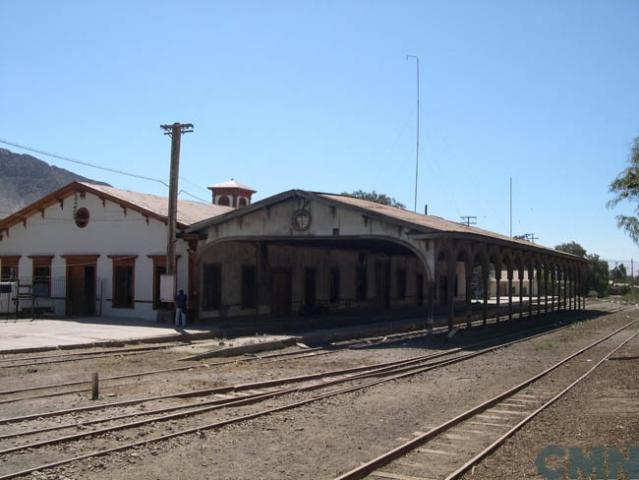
{"x":110,"y":231}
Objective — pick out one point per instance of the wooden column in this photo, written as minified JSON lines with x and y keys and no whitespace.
{"x":539,"y":277}
{"x":484,"y":277}
{"x":468,"y":275}
{"x":450,"y":280}
{"x":510,"y":291}
{"x":531,"y":276}
{"x":498,"y":284}
{"x":520,"y":272}
{"x":546,"y":288}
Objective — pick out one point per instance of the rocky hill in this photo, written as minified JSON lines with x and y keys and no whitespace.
{"x":24,"y":179}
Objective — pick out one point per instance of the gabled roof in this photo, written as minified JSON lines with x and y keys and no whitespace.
{"x":147,"y":204}
{"x":417,"y":222}
{"x":232,"y":183}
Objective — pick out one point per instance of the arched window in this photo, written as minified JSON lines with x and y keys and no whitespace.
{"x":243,"y":202}
{"x":224,"y":200}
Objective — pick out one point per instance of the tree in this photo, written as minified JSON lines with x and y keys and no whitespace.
{"x":597,"y":276}
{"x":626,"y":187}
{"x":573,"y":248}
{"x":376,"y":197}
{"x":619,"y":273}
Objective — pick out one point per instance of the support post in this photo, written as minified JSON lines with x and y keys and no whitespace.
{"x":95,"y":387}
{"x":545,"y":288}
{"x":520,"y":273}
{"x":484,"y":275}
{"x":539,"y":277}
{"x":531,"y":275}
{"x":450,"y":280}
{"x":497,"y":285}
{"x":510,"y":292}
{"x":468,"y":274}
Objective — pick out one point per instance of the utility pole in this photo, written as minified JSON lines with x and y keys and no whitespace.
{"x":175,"y":131}
{"x":469,"y":220}
{"x":417,"y":142}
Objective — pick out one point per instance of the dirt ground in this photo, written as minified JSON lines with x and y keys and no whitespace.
{"x":601,"y":411}
{"x":317,"y":441}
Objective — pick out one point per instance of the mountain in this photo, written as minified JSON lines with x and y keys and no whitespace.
{"x":24,"y":179}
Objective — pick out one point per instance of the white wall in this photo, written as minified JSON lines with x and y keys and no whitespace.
{"x":110,"y":231}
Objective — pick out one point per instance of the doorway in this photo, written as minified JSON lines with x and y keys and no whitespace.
{"x":419,"y":286}
{"x":281,"y":291}
{"x":81,"y":279}
{"x":382,"y":284}
{"x":310,"y":287}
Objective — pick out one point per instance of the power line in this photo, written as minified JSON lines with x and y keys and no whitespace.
{"x":81,"y":162}
{"x":107,"y":169}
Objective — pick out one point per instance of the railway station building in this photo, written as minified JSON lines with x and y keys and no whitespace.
{"x":88,"y":249}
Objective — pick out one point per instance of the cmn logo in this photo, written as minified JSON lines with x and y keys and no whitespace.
{"x":552,"y":459}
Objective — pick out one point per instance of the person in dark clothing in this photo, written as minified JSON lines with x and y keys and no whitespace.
{"x":180,"y":309}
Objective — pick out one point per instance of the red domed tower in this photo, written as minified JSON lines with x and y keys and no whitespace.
{"x":231,"y":194}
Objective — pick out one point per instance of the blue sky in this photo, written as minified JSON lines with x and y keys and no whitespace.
{"x":320,"y":96}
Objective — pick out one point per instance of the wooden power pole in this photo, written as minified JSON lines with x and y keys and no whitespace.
{"x":175,"y":131}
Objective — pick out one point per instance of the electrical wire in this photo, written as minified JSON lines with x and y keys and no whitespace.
{"x":81,"y":162}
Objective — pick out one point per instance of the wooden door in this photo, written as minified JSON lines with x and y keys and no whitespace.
{"x":80,"y":289}
{"x":281,"y":291}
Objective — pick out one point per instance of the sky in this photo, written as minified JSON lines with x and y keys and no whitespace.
{"x":320,"y":96}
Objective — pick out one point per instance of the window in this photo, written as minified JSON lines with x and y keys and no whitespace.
{"x":123,"y":282}
{"x":360,"y":283}
{"x":334,"y":285}
{"x":82,"y":217}
{"x":9,"y":270}
{"x":249,"y":287}
{"x":42,"y":281}
{"x":224,"y":200}
{"x":212,"y":287}
{"x":42,"y":275}
{"x":242,"y":202}
{"x":401,"y":283}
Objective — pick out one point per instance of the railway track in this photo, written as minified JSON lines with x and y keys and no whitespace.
{"x":355,"y":378}
{"x":81,"y":386}
{"x":448,"y":450}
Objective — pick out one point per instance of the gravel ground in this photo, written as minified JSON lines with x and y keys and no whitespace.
{"x":601,"y":411}
{"x":318,"y":440}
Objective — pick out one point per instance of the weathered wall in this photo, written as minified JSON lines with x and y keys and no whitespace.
{"x":231,"y":256}
{"x":110,"y":231}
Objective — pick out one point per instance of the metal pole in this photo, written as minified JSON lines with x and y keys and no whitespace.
{"x":417,"y":140}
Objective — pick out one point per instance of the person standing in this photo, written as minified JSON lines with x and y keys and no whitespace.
{"x":180,"y":309}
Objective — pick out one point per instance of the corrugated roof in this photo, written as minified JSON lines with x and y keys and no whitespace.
{"x":428,"y":221}
{"x":189,"y":212}
{"x":232,"y":183}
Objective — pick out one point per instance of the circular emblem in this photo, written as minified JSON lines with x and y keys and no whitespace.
{"x":301,"y":220}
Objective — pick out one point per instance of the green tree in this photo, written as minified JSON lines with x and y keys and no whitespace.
{"x":376,"y":197}
{"x":572,"y":247}
{"x":597,"y":275}
{"x":619,"y":273}
{"x":626,"y":187}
